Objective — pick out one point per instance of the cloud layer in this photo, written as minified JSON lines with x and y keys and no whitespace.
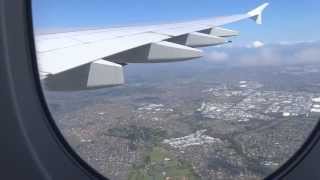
{"x":259,"y":54}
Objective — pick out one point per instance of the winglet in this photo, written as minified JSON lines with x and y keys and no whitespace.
{"x":256,"y":14}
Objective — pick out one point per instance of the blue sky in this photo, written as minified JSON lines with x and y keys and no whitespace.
{"x":284,"y":20}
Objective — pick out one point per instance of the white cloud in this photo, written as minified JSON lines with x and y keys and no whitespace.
{"x":217,"y":56}
{"x":296,"y":42}
{"x":268,"y":55}
{"x":256,"y":44}
{"x":310,"y":55}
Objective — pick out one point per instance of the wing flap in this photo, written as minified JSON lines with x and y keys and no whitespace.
{"x":197,"y":39}
{"x":167,"y":51}
{"x":156,"y":52}
{"x":221,"y":32}
{"x":97,"y":74}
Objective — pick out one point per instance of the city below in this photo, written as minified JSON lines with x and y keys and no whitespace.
{"x":192,"y":122}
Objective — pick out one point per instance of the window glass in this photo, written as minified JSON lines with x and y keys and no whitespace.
{"x":116,"y":85}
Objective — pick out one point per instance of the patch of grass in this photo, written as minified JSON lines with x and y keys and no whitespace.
{"x":159,"y":165}
{"x":136,"y":135}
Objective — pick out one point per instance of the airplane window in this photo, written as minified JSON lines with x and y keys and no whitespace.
{"x":170,"y":90}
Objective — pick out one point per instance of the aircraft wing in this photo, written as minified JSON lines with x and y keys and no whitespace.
{"x":94,"y":58}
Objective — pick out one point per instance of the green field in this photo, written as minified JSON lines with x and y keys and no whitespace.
{"x":160,"y":165}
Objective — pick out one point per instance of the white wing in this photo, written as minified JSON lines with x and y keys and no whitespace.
{"x":91,"y":58}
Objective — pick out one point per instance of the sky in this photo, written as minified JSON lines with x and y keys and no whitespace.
{"x":284,"y":20}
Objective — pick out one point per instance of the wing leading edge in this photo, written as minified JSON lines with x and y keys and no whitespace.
{"x":92,"y":58}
